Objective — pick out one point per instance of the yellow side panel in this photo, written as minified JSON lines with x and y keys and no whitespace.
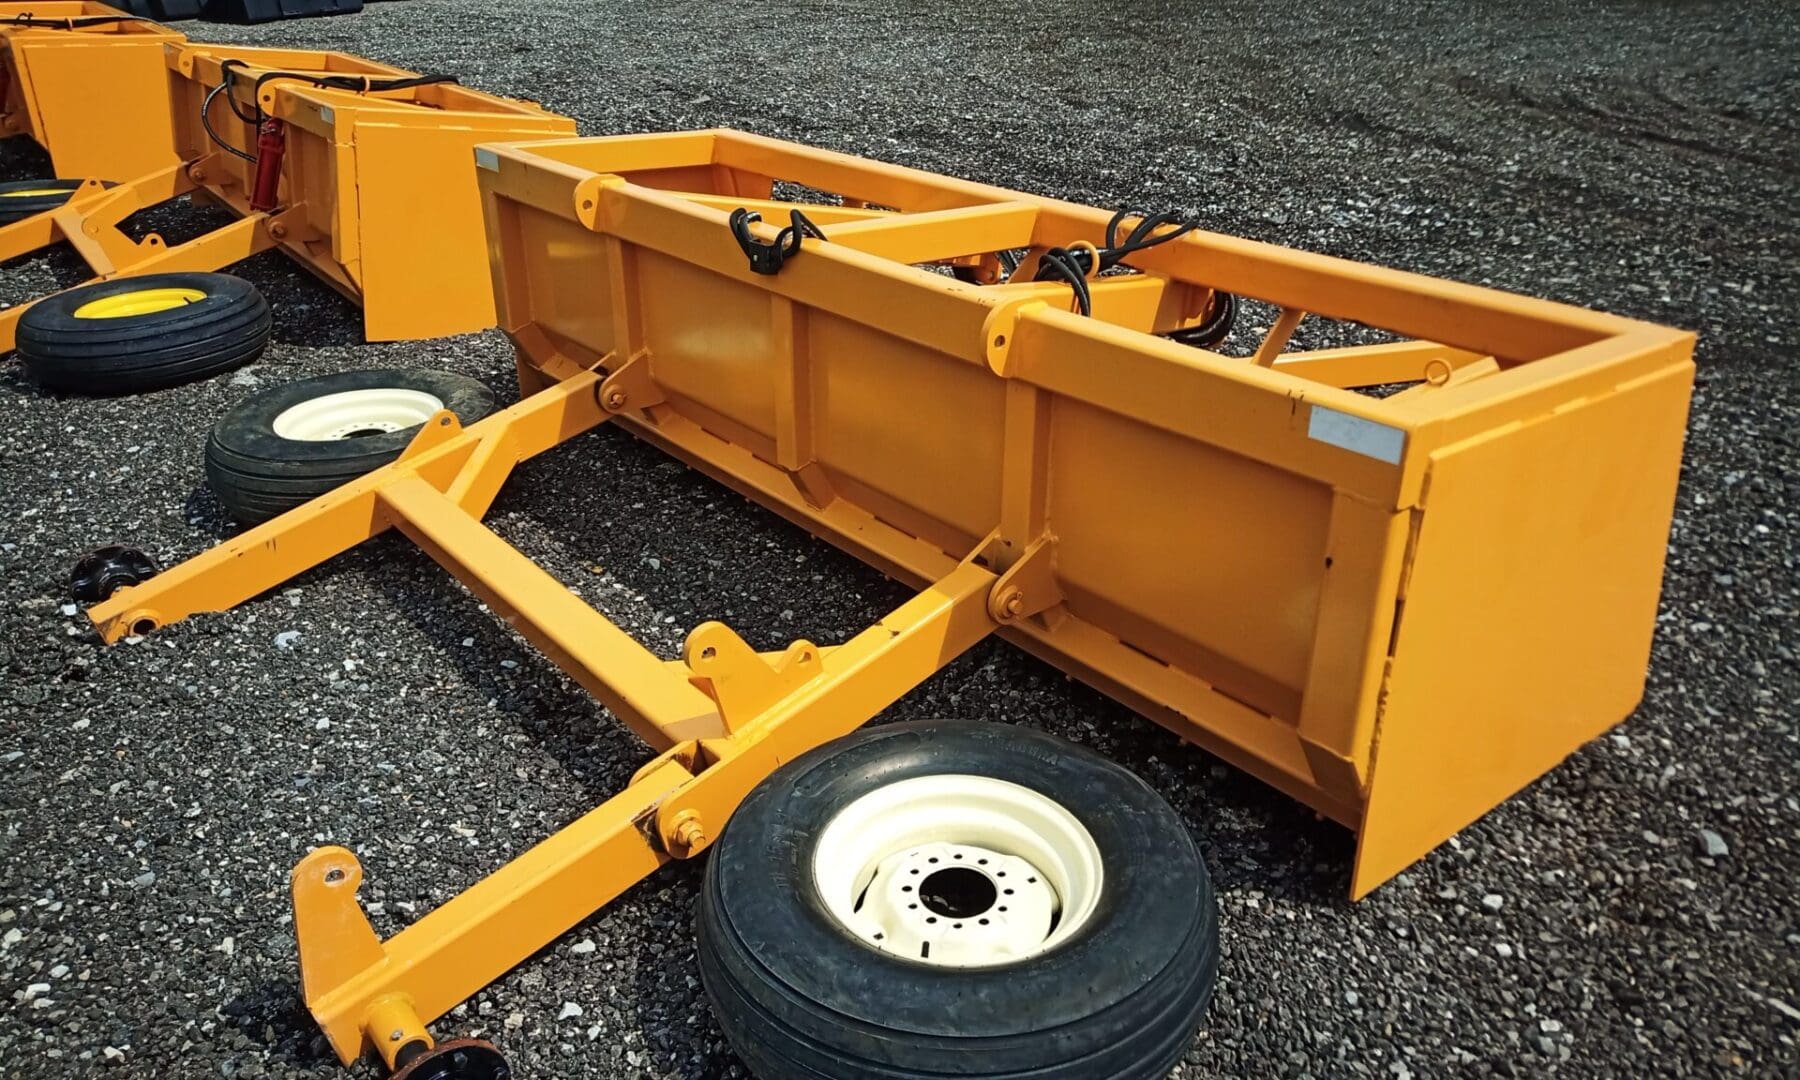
{"x":710,"y":339}
{"x":1211,"y":561}
{"x":424,"y":251}
{"x":1528,"y":613}
{"x":914,"y":425}
{"x":103,"y":109}
{"x":565,"y":275}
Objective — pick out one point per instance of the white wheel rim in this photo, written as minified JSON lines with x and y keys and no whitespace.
{"x":958,"y":871}
{"x":355,"y":413}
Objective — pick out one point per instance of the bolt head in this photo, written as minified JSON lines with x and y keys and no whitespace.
{"x":690,"y":834}
{"x":615,"y":399}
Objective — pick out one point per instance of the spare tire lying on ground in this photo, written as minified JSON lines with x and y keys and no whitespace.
{"x":134,"y":334}
{"x":21,"y":199}
{"x":949,"y":899}
{"x":290,"y":444}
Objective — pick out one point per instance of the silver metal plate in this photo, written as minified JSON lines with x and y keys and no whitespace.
{"x":1357,"y":435}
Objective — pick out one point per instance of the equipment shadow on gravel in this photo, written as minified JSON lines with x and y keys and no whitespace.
{"x":22,"y":159}
{"x":273,"y":1017}
{"x":580,"y":734}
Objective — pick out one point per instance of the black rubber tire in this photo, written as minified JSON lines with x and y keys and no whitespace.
{"x":225,"y":329}
{"x":14,"y":207}
{"x":801,"y":998}
{"x":258,"y":474}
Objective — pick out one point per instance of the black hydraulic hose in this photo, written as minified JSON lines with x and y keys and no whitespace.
{"x":206,"y":122}
{"x":1065,"y":264}
{"x":254,"y":117}
{"x":73,"y":23}
{"x":362,"y":84}
{"x":1074,"y":265}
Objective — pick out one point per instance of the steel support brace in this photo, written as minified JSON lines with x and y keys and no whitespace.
{"x":89,"y":221}
{"x":725,"y":716}
{"x":301,"y":539}
{"x":627,"y":678}
{"x":352,"y":980}
{"x":367,"y":994}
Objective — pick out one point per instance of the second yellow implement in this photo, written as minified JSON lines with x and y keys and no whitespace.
{"x":87,"y":82}
{"x":358,"y":170}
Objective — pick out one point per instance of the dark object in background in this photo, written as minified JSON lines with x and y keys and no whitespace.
{"x":261,"y":11}
{"x":161,"y":10}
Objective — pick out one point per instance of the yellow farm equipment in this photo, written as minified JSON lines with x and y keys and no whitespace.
{"x":86,"y":82}
{"x":1396,"y":608}
{"x":358,"y":170}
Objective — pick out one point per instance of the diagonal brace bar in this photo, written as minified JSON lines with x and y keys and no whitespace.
{"x":661,"y":707}
{"x":474,"y":938}
{"x":364,"y":992}
{"x":333,"y":523}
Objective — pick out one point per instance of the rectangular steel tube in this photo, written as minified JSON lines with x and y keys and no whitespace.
{"x":627,"y":678}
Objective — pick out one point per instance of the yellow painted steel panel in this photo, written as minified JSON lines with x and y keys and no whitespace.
{"x":1529,"y":610}
{"x":1173,"y":543}
{"x":129,"y":135}
{"x":424,"y":254}
{"x":562,"y":286}
{"x":921,"y":429}
{"x":712,"y":339}
{"x":94,"y":97}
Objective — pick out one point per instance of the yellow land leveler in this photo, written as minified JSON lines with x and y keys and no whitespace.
{"x":1397,"y":608}
{"x":356,"y":169}
{"x":85,"y":81}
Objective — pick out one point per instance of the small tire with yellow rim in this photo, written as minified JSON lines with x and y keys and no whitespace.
{"x":21,"y":199}
{"x":134,"y":334}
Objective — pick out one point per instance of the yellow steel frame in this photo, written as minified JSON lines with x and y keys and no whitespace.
{"x":1398,"y":610}
{"x":90,"y":93}
{"x":377,"y":196}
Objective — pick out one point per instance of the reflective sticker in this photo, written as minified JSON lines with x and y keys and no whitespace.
{"x":1355,"y":434}
{"x":326,"y":114}
{"x":487,"y":159}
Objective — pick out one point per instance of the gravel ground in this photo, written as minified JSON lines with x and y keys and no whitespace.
{"x":1632,"y":156}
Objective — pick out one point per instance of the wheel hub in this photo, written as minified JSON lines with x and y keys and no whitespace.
{"x":957,"y":904}
{"x":352,"y":414}
{"x":459,"y":1059}
{"x":958,"y":870}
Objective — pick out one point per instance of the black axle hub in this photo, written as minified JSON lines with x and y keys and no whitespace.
{"x":105,"y":571}
{"x":458,"y":1059}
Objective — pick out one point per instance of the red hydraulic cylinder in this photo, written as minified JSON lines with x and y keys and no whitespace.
{"x":271,"y":144}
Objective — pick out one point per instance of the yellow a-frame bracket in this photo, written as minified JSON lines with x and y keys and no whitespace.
{"x":90,"y":223}
{"x":723,"y":717}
